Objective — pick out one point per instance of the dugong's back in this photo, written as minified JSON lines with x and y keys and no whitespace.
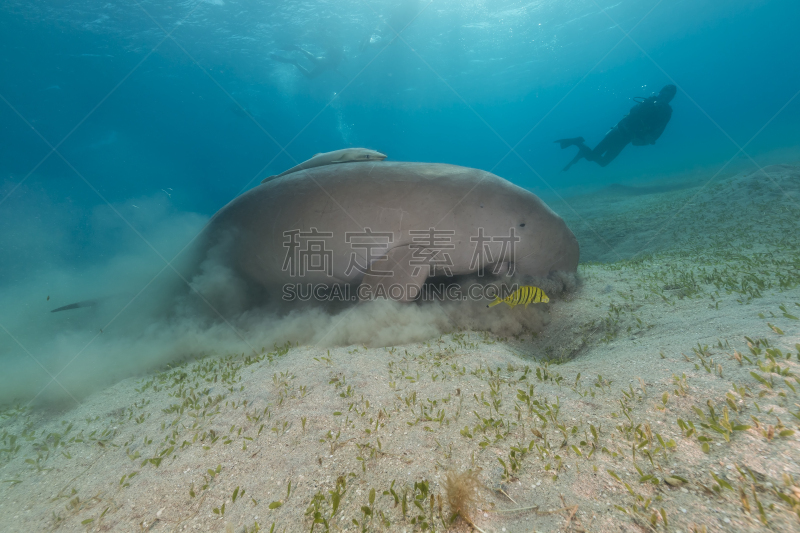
{"x":332,"y":205}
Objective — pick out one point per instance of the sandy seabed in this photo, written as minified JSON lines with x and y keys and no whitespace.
{"x":661,"y":395}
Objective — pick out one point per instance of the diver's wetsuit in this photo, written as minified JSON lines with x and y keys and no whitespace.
{"x":642,"y":125}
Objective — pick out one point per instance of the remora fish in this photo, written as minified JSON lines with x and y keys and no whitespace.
{"x":346,"y":155}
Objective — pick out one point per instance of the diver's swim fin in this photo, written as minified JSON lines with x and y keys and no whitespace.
{"x":565,"y":143}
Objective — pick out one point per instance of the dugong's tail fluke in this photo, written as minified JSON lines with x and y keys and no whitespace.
{"x":76,"y":305}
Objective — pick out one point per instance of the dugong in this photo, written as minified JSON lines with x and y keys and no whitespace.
{"x":346,"y":155}
{"x":387,"y":224}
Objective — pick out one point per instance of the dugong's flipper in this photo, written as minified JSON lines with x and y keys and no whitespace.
{"x":393,"y":277}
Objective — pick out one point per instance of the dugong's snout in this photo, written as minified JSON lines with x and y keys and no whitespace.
{"x":565,"y":251}
{"x":554,"y":248}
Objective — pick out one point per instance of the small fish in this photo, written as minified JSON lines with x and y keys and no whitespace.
{"x":76,"y":305}
{"x":524,"y":295}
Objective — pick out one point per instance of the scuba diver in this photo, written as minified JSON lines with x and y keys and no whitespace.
{"x":319,"y":64}
{"x":641,"y":126}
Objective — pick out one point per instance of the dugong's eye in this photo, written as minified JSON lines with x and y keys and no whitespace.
{"x":522,"y":225}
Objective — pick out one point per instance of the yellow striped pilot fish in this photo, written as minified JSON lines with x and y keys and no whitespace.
{"x":524,"y":295}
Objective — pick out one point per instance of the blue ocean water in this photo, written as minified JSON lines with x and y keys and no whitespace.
{"x":125,"y":125}
{"x":150,"y":95}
